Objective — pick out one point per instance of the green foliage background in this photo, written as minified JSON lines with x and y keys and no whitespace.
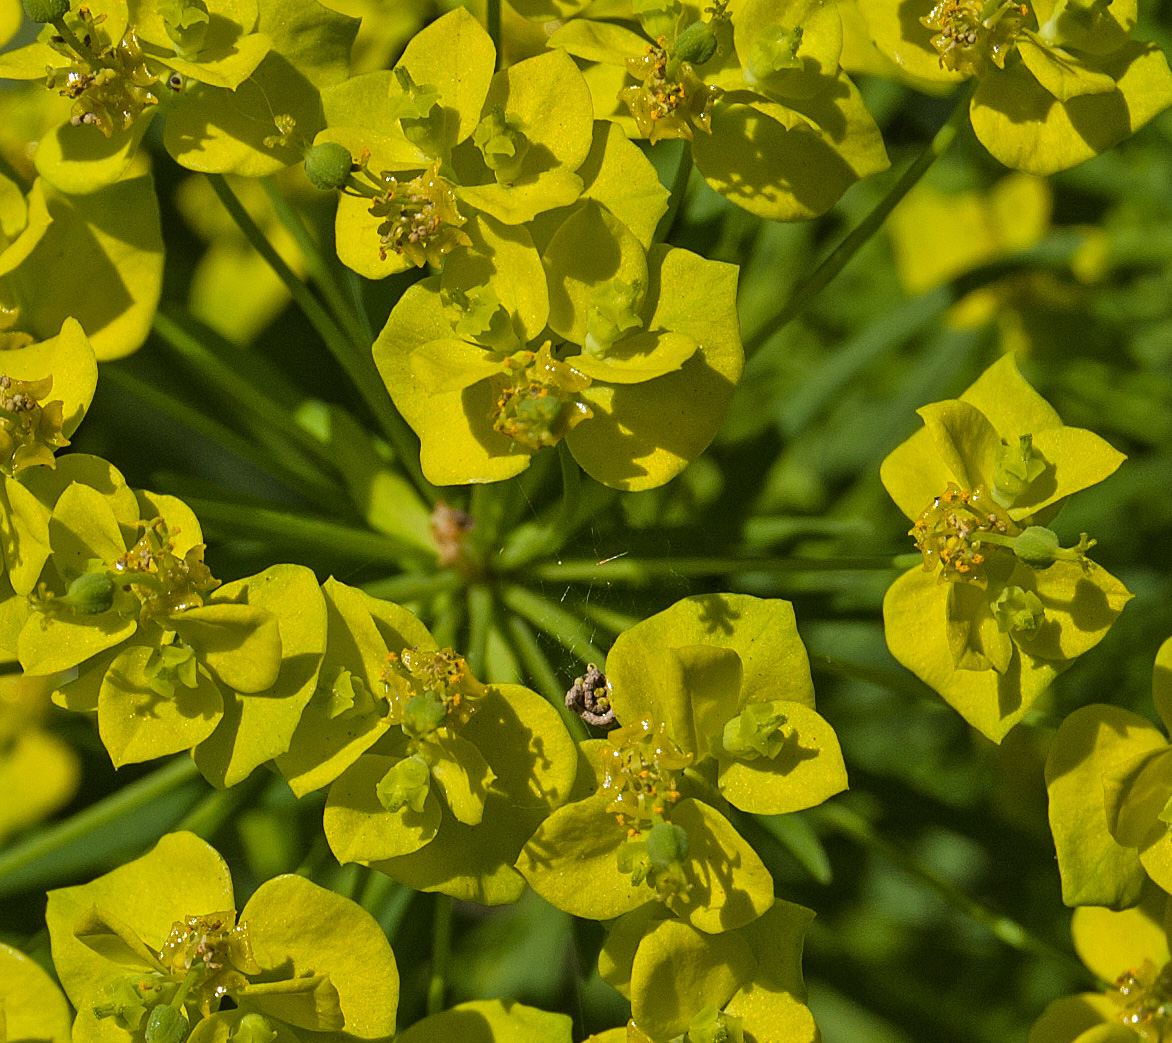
{"x":935,"y":813}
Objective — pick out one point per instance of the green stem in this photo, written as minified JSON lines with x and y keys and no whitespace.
{"x":413,"y":586}
{"x":638,"y":571}
{"x":492,"y":22}
{"x":539,"y":670}
{"x":100,"y":816}
{"x":441,"y":947}
{"x":209,"y":816}
{"x":608,"y":618}
{"x":858,"y":236}
{"x":679,"y":190}
{"x":320,"y":491}
{"x":355,"y":362}
{"x":319,"y":267}
{"x":317,"y":534}
{"x":1005,"y":929}
{"x":71,"y":38}
{"x":253,"y":403}
{"x":569,"y":631}
{"x":479,"y":620}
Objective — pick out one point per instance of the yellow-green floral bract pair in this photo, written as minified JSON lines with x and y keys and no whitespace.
{"x":999,"y":608}
{"x":629,"y":356}
{"x":155,"y":946}
{"x":1129,"y":952}
{"x":1060,"y":81}
{"x":435,"y":779}
{"x":1109,"y":776}
{"x":754,"y":86}
{"x":239,"y":83}
{"x":715,"y":707}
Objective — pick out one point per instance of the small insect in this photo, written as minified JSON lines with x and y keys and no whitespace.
{"x":175,"y":81}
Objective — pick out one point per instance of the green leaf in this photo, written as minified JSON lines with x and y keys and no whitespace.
{"x":639,"y":358}
{"x":40,"y":774}
{"x":69,"y":359}
{"x":678,"y":971}
{"x":808,"y":770}
{"x":181,"y":876}
{"x":1026,"y":127}
{"x":455,"y":56}
{"x":257,"y":728}
{"x":226,"y":64}
{"x":790,"y":162}
{"x":965,"y":441}
{"x":1060,"y":73}
{"x":643,"y":435}
{"x":522,"y":738}
{"x":31,"y":1005}
{"x":618,"y":175}
{"x":360,"y":829}
{"x":589,"y":249}
{"x":503,"y":257}
{"x":491,"y":1021}
{"x":300,"y":929}
{"x":83,"y":528}
{"x":914,"y":623}
{"x":360,"y":632}
{"x":136,"y":723}
{"x":113,"y":940}
{"x":360,"y":116}
{"x":240,"y":644}
{"x":1095,"y":868}
{"x":898,"y":32}
{"x":111,"y":285}
{"x":572,"y":862}
{"x":728,"y":883}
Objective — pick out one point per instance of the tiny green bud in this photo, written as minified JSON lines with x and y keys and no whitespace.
{"x":348,"y":696}
{"x":667,"y":845}
{"x":613,"y":312}
{"x":166,"y":1025}
{"x":422,"y":714}
{"x":1016,"y":468}
{"x":328,"y":165}
{"x":775,"y":51}
{"x":632,"y":858}
{"x":407,"y":783}
{"x":713,"y":1026}
{"x":186,"y":23}
{"x":1018,"y":609}
{"x":46,"y":10}
{"x":757,"y":731}
{"x":502,"y":143}
{"x":90,"y":594}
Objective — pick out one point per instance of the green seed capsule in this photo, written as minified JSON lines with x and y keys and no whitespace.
{"x":90,"y":594}
{"x":328,"y":165}
{"x":696,"y":44}
{"x":46,"y":10}
{"x":166,"y":1025}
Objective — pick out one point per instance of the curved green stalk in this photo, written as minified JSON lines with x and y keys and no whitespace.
{"x":537,"y":666}
{"x":838,"y":258}
{"x":441,"y":947}
{"x":637,"y":571}
{"x":97,"y":817}
{"x":357,"y":364}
